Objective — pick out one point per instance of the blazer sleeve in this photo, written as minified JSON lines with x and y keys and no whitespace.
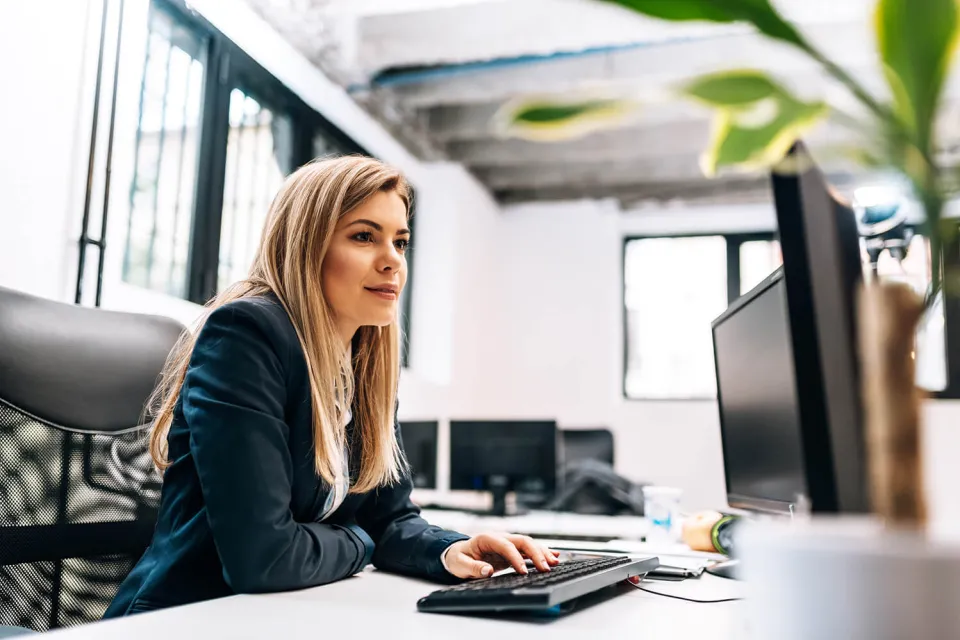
{"x":405,"y":542}
{"x":233,"y":399}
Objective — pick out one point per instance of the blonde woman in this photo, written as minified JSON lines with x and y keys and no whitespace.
{"x":275,"y":423}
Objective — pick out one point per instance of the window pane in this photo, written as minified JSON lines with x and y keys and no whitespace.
{"x":758,"y":259}
{"x":259,"y":152}
{"x":674,"y":288}
{"x":914,"y":270}
{"x":165,"y":159}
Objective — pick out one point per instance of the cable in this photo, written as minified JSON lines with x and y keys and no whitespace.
{"x":670,"y":595}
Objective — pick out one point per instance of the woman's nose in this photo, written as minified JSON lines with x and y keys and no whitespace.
{"x":391,"y":260}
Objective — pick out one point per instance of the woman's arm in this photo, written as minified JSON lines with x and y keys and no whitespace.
{"x":233,"y":401}
{"x":405,"y":542}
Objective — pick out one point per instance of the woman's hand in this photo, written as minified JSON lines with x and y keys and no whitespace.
{"x":483,"y":554}
{"x":698,"y":530}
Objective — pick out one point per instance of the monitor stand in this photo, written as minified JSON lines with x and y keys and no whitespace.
{"x":498,"y":487}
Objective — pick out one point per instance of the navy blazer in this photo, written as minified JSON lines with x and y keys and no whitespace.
{"x":241,"y":499}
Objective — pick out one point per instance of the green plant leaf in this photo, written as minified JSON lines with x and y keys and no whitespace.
{"x":680,"y":10}
{"x":731,"y":88}
{"x":550,"y":119}
{"x":547,"y":113}
{"x":758,"y":134}
{"x":916,"y":42}
{"x":759,"y":13}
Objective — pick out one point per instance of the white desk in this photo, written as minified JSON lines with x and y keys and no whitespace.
{"x":376,"y":605}
{"x":543,"y":524}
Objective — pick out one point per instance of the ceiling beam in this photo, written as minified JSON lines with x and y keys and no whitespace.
{"x":618,"y":145}
{"x":643,"y":72}
{"x":455,"y":123}
{"x":664,"y":168}
{"x":756,"y":188}
{"x":451,"y":32}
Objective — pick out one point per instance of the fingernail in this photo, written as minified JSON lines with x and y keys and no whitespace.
{"x":486,"y":571}
{"x":523,"y":570}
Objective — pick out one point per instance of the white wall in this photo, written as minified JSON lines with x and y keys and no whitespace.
{"x":559,"y":348}
{"x":47,"y":75}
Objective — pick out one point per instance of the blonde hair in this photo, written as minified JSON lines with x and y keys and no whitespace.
{"x":295,"y":239}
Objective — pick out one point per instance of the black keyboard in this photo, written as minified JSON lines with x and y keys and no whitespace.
{"x":533,"y":591}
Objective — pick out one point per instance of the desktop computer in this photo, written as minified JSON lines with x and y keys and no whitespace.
{"x":786,"y":360}
{"x":419,"y":439}
{"x":503,"y":456}
{"x":757,"y":396}
{"x":823,"y":269}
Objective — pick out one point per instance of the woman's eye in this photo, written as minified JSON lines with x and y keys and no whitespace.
{"x":363,"y":236}
{"x":402,"y":245}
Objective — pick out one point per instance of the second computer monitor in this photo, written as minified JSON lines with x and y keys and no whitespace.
{"x":420,"y":447}
{"x":501,"y":456}
{"x":760,"y":424}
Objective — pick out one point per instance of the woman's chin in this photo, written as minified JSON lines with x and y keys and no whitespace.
{"x":380,"y":321}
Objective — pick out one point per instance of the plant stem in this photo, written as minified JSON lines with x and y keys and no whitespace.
{"x":883,"y":112}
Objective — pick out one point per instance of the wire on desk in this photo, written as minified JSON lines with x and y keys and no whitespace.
{"x":670,"y":595}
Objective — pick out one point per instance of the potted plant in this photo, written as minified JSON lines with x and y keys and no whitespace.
{"x":842,"y":578}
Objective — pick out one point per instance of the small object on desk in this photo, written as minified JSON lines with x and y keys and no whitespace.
{"x":667,"y":570}
{"x":536,"y":591}
{"x":661,"y":505}
{"x":728,"y":569}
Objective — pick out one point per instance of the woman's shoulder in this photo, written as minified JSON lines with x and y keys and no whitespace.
{"x":265,"y":313}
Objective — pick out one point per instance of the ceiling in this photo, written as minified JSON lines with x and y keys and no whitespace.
{"x":435,"y":73}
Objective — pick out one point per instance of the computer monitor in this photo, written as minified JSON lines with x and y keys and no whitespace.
{"x":822,"y":270}
{"x":757,"y":396}
{"x":504,"y":455}
{"x":420,"y":447}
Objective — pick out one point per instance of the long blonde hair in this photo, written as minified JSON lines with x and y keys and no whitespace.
{"x":295,"y":239}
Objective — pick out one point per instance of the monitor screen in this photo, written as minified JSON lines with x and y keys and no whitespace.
{"x":420,"y":447}
{"x":523,"y":453}
{"x":757,"y":394}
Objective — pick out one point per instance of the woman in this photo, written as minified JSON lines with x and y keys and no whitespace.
{"x":275,"y":424}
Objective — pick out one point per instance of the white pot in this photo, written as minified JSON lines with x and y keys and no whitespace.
{"x":848,"y":579}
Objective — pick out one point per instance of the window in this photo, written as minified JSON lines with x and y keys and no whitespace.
{"x":165,"y":158}
{"x":914,"y":270}
{"x":259,"y":156}
{"x":673,"y":289}
{"x":216,"y":136}
{"x":758,"y":259}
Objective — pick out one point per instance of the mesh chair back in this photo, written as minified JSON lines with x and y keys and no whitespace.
{"x":78,"y":491}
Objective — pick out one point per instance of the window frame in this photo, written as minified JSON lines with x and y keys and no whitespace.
{"x":733,"y":243}
{"x":951,"y":306}
{"x":226,"y":67}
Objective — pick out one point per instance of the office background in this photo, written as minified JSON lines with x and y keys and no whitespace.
{"x":516,"y":311}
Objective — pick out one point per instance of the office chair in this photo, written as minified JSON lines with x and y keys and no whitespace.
{"x":587,"y":444}
{"x":78,"y":491}
{"x":588,"y":483}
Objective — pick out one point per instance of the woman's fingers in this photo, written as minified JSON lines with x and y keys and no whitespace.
{"x":532,"y":550}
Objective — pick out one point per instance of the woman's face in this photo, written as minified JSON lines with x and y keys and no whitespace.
{"x":365,"y":268}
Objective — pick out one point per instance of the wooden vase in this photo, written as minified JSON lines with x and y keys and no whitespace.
{"x":889,"y":314}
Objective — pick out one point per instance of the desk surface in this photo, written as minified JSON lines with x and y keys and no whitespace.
{"x":379,"y":605}
{"x":543,"y":524}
